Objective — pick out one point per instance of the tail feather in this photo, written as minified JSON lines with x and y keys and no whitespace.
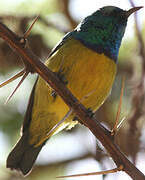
{"x":23,"y":156}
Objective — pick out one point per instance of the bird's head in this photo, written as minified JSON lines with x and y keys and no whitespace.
{"x":115,"y":12}
{"x":113,"y":16}
{"x":103,"y":30}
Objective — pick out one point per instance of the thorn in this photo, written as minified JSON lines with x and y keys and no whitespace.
{"x":95,"y":173}
{"x":12,"y":78}
{"x":26,"y":34}
{"x":115,"y":128}
{"x":121,"y":122}
{"x":23,"y":78}
{"x":60,"y":122}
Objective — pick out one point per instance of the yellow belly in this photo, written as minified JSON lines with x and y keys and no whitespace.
{"x":90,"y":77}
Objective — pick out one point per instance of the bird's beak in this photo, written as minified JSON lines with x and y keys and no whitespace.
{"x":132,"y":10}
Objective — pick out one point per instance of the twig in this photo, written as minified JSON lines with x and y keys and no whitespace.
{"x":16,"y":76}
{"x":101,"y":133}
{"x":93,"y":173}
{"x":138,"y":97}
{"x":19,"y":84}
{"x":26,"y":34}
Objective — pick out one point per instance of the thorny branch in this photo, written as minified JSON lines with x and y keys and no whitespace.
{"x":101,"y":133}
{"x":138,"y":97}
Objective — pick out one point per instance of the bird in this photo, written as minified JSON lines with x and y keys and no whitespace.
{"x":85,"y":60}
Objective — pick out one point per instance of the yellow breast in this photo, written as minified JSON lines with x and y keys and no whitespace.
{"x":90,"y":77}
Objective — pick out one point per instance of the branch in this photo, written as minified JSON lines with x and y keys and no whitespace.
{"x":101,"y":133}
{"x":138,"y":97}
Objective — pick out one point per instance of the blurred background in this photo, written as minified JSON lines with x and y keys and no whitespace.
{"x":75,"y":151}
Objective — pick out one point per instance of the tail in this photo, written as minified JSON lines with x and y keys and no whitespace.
{"x":23,"y":156}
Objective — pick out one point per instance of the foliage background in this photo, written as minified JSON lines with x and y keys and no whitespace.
{"x":68,"y":152}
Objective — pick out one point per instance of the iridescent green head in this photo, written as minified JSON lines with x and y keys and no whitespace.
{"x":103,"y":30}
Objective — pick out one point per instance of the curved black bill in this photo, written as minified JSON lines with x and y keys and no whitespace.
{"x":132,"y":10}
